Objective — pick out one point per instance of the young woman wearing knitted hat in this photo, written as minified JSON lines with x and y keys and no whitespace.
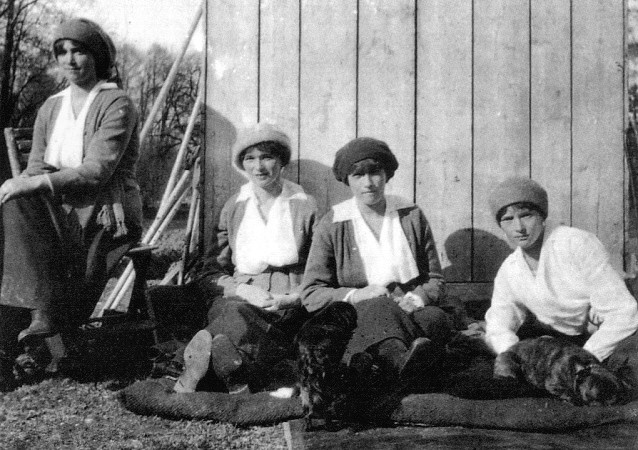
{"x":251,"y":277}
{"x":557,"y":282}
{"x":84,"y":154}
{"x":377,"y":252}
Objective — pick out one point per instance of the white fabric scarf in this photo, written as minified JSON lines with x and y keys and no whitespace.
{"x":66,"y":147}
{"x":388,"y":259}
{"x":262,"y":244}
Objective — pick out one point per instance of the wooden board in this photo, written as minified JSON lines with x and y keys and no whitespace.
{"x":231,"y":95}
{"x":279,"y":71}
{"x":501,"y":117}
{"x":551,"y":145}
{"x":386,"y":83}
{"x":598,"y":121}
{"x":444,"y":130}
{"x":328,"y":93}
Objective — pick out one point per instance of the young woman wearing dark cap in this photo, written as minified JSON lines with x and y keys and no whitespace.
{"x":84,"y":154}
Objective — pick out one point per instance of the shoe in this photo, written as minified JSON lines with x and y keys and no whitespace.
{"x":196,"y":362}
{"x":417,"y":359}
{"x":40,"y":326}
{"x":228,"y":365}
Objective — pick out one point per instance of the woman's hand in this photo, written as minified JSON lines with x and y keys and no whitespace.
{"x":254,"y":295}
{"x":368,"y":292}
{"x":21,"y":186}
{"x":283,"y":301}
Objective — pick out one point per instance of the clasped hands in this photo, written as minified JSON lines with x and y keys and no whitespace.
{"x":408,"y":302}
{"x":266,"y":300}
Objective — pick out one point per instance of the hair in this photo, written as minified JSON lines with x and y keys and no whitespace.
{"x":528,"y":205}
{"x":368,"y":165}
{"x":102,"y":69}
{"x":276,"y":149}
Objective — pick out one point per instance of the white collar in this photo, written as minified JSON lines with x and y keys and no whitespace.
{"x":348,"y":209}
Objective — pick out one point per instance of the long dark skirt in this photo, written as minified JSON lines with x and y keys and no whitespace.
{"x":60,"y":274}
{"x":381,"y":318}
{"x":264,"y":338}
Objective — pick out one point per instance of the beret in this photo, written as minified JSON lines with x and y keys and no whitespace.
{"x":518,"y":190}
{"x":91,"y":36}
{"x":252,"y":135}
{"x":363,"y":148}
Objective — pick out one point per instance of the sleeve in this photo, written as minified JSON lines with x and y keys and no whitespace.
{"x":218,"y":268}
{"x":613,"y":308}
{"x":504,"y":316}
{"x":104,"y":151}
{"x":36,"y":164}
{"x":431,"y":291}
{"x":320,"y":286}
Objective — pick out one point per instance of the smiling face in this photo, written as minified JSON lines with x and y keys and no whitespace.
{"x":263,"y":168}
{"x":367,"y":182}
{"x":524,"y":227}
{"x":77,"y":64}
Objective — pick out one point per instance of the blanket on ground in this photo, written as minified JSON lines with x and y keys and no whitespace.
{"x":156,"y":397}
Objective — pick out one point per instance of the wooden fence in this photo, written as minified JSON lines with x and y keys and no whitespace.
{"x":465,"y":92}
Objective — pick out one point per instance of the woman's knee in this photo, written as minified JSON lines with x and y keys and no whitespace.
{"x":434,"y":323}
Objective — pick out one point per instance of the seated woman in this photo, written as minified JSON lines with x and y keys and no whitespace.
{"x":377,"y":252}
{"x":253,"y":271}
{"x":83,"y":158}
{"x":557,"y":282}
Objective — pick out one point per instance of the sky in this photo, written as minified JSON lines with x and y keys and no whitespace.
{"x":144,"y":22}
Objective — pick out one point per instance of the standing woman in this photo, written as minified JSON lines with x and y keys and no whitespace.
{"x":252,"y":275}
{"x":377,"y":252}
{"x":83,"y":159}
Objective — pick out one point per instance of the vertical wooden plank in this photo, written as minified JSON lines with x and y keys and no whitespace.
{"x":279,"y":70}
{"x":328,"y":78}
{"x":501,"y":116}
{"x":551,"y":105}
{"x":231,"y":94}
{"x":386,"y":82}
{"x":598,"y":120}
{"x":444,"y":129}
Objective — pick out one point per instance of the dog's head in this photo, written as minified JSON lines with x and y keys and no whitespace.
{"x":595,"y":385}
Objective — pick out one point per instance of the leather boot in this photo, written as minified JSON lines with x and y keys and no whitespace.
{"x":196,"y":362}
{"x":41,"y":326}
{"x":229,"y":365}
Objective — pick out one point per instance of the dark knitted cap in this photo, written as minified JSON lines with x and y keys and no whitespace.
{"x":91,"y":36}
{"x":363,"y":148}
{"x":518,"y":190}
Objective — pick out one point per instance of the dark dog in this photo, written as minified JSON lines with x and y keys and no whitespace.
{"x":321,"y":343}
{"x":563,"y":369}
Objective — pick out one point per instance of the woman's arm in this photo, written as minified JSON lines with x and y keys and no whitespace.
{"x":613,"y":308}
{"x":504,"y":316}
{"x":320,"y":284}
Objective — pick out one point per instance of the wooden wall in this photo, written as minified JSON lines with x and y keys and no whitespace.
{"x":465,"y":92}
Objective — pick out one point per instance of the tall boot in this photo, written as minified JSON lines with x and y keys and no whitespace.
{"x":401,"y":363}
{"x":41,"y":326}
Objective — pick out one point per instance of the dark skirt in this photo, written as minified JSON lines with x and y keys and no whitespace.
{"x":63,"y":274}
{"x":264,"y":338}
{"x":381,"y":318}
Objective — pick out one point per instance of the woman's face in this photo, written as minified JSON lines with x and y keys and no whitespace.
{"x":263,"y":168}
{"x":77,"y":64}
{"x":368,"y":188}
{"x":523,"y":227}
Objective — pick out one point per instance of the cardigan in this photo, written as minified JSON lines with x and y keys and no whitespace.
{"x":219,"y":263}
{"x":574,"y":286}
{"x":111,"y":152}
{"x":335,"y":266}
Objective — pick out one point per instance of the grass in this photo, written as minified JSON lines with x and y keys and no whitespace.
{"x":84,"y":413}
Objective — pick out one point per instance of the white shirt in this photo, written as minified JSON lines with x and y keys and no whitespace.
{"x":574,"y":286}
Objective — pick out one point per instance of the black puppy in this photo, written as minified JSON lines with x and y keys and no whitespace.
{"x":321,"y":343}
